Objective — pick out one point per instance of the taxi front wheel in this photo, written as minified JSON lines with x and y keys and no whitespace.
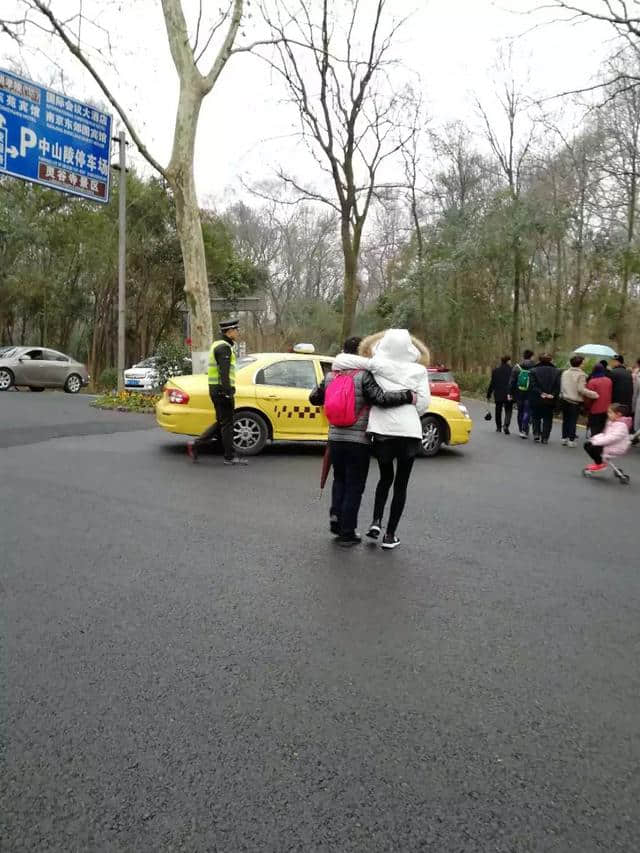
{"x":250,"y":433}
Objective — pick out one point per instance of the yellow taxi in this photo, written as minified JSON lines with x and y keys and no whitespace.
{"x":272,"y":404}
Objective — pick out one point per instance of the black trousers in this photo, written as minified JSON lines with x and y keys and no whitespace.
{"x":570,"y":412}
{"x":350,"y":462}
{"x":508,"y":411}
{"x":594,"y":452}
{"x":403,"y":452}
{"x":223,"y":427}
{"x":597,"y":423}
{"x":542,"y":419}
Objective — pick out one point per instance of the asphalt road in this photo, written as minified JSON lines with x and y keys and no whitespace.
{"x":193,"y":665}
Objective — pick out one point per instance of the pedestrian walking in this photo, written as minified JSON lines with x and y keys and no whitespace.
{"x":597,"y":408}
{"x":520,"y":390}
{"x":222,"y":389}
{"x":348,"y":391}
{"x":500,"y":387}
{"x":398,"y":361}
{"x":612,"y":441}
{"x":545,"y":390}
{"x":635,"y":412}
{"x":573,"y":391}
{"x":622,"y":382}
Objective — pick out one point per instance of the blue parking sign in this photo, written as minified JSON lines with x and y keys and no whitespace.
{"x":51,"y":139}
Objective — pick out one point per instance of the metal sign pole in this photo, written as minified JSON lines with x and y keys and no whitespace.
{"x":122,"y":258}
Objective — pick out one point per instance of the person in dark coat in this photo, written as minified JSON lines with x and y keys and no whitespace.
{"x":545,"y":391}
{"x":622,"y":379}
{"x":500,"y":387}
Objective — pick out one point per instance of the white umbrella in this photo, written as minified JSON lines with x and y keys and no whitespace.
{"x":596,"y":349}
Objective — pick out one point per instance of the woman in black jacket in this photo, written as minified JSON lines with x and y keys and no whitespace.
{"x":545,"y":391}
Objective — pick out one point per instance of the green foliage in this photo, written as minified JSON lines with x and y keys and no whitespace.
{"x":127,"y":401}
{"x":471,"y":382}
{"x":314,"y":322}
{"x":238,"y":279}
{"x":108,"y":379}
{"x":172,"y":359}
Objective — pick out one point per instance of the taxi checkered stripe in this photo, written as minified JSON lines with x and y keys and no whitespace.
{"x":302,"y":412}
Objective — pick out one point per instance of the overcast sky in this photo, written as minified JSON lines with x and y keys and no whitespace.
{"x":246,"y":129}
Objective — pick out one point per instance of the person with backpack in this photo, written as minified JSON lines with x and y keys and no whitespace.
{"x":520,"y":391}
{"x":398,"y":361}
{"x":347,"y":394}
{"x":545,"y":390}
{"x":500,"y":387}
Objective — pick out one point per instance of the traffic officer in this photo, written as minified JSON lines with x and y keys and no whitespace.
{"x":222,"y":389}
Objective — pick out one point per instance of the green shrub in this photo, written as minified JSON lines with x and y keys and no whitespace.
{"x":172,"y":359}
{"x":108,"y":380}
{"x":471,"y":382}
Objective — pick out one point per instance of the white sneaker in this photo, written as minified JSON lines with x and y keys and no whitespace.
{"x":565,"y":442}
{"x":572,"y":444}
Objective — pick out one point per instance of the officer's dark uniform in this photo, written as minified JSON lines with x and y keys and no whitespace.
{"x":222,"y":389}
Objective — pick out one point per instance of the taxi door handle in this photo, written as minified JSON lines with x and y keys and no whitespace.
{"x":272,"y":396}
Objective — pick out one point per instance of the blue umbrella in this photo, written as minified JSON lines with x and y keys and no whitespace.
{"x":596,"y":349}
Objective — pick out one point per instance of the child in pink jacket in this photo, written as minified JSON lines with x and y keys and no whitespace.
{"x":614,"y":441}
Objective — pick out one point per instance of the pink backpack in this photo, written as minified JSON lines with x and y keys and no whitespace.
{"x":340,"y":400}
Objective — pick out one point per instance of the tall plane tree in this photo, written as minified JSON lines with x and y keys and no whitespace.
{"x":199,"y":60}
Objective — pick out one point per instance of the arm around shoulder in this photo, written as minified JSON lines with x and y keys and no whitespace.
{"x":316,"y":397}
{"x":423,"y":393}
{"x":375,"y":396}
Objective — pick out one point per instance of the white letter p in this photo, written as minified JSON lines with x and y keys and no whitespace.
{"x":28,"y":139}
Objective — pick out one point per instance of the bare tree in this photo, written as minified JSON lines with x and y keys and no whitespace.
{"x":511,"y":150}
{"x":348,"y":111}
{"x":189,"y":54}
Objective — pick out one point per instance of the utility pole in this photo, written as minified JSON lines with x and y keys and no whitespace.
{"x":122,"y":256}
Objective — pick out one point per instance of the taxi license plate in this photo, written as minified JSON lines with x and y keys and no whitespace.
{"x":133,"y":382}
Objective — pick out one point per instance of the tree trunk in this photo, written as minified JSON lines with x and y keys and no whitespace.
{"x":621,"y":326}
{"x":515,"y":323}
{"x":188,"y":222}
{"x":557,"y":308}
{"x":351,"y":289}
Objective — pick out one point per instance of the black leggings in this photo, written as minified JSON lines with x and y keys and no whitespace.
{"x":594,"y":451}
{"x":403,"y":451}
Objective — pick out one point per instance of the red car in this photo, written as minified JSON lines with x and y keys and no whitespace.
{"x":443,"y":384}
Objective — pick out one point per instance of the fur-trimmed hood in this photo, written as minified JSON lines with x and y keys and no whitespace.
{"x":395,"y":338}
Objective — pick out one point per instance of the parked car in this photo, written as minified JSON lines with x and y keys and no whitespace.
{"x":143,"y":376}
{"x":39,"y":368}
{"x":272,"y":403}
{"x":443,"y":383}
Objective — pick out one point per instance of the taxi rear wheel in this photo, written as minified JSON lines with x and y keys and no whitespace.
{"x":250,"y":433}
{"x":432,"y":437}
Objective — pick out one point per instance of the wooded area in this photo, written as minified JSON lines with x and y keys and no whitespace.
{"x":505,"y":233}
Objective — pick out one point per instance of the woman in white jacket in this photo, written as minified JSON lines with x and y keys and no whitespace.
{"x":397,"y":362}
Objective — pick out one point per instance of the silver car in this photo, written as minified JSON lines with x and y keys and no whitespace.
{"x":39,"y":368}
